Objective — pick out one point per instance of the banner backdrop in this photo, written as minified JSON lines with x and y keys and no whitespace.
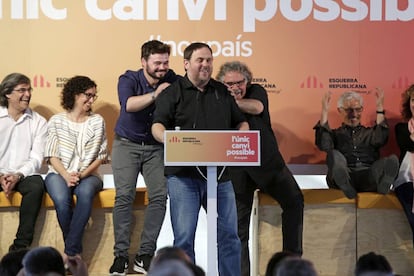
{"x":297,"y":49}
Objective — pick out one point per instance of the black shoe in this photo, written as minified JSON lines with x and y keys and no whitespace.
{"x":342,"y":180}
{"x":391,"y":167}
{"x":142,"y":263}
{"x":119,"y":267}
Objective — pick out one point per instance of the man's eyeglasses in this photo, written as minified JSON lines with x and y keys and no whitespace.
{"x":238,"y":83}
{"x":91,"y":96}
{"x":24,"y":90}
{"x":352,"y":110}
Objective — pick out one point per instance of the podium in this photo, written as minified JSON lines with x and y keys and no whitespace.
{"x":211,"y":149}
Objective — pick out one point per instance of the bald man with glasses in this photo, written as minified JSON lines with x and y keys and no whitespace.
{"x":353,"y":150}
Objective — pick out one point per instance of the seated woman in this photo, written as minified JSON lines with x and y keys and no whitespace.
{"x":76,"y":146}
{"x":404,"y":133}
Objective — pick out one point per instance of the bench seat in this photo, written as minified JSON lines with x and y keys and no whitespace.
{"x":104,"y":199}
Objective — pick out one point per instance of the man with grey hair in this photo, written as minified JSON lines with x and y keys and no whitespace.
{"x":22,"y":142}
{"x":272,"y":177}
{"x":353,"y":150}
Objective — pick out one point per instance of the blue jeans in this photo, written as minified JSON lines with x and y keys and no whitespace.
{"x":72,"y":220}
{"x":187,"y":196}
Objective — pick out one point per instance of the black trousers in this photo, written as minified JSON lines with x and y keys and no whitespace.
{"x":362,"y":179}
{"x":32,"y":189}
{"x":280,"y":185}
{"x":404,"y":193}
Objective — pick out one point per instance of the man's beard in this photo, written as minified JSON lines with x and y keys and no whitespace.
{"x":154,"y":74}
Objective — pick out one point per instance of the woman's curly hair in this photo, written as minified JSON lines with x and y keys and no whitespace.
{"x":406,"y":97}
{"x":75,"y":86}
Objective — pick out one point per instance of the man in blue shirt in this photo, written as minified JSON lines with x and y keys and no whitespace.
{"x":135,"y":151}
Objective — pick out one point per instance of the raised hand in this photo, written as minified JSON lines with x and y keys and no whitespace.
{"x":326,"y":99}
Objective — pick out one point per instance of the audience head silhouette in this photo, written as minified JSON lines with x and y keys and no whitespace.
{"x":11,"y":263}
{"x":172,"y":253}
{"x":295,"y":266}
{"x":275,"y":260}
{"x":42,"y":261}
{"x":173,"y":267}
{"x":372,"y":264}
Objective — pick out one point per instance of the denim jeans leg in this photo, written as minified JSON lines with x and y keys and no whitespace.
{"x":126,"y":164}
{"x":61,"y":195}
{"x":85,"y":192}
{"x":229,"y":248}
{"x":32,"y":190}
{"x":155,"y":181}
{"x":185,"y":203}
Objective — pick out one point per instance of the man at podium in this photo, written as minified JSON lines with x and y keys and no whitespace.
{"x":197,"y":102}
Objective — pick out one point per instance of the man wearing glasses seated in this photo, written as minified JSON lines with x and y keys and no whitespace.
{"x":353,"y":150}
{"x":22,"y":141}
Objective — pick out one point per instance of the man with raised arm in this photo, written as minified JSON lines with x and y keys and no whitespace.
{"x":353,"y":150}
{"x":136,"y":151}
